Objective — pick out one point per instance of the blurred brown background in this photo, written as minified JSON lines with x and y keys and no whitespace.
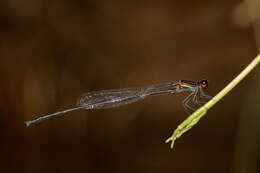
{"x":53,"y":51}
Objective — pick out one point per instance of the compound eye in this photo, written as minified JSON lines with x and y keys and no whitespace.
{"x":204,"y":84}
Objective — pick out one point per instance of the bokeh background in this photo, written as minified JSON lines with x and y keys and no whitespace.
{"x":51,"y":52}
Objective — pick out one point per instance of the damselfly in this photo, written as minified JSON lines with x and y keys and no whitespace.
{"x":117,"y":97}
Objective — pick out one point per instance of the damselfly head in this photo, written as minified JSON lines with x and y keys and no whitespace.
{"x":203,"y":83}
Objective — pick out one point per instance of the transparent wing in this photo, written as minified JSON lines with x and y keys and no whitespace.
{"x":112,"y":98}
{"x":118,"y":97}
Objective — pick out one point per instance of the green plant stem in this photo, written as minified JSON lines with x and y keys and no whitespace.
{"x":199,"y":113}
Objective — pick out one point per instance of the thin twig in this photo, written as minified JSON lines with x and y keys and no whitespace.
{"x":195,"y":117}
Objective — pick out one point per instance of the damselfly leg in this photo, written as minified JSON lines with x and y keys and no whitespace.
{"x":195,"y":97}
{"x":186,"y":101}
{"x":203,"y":95}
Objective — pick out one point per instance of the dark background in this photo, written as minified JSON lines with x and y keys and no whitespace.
{"x":53,"y":51}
